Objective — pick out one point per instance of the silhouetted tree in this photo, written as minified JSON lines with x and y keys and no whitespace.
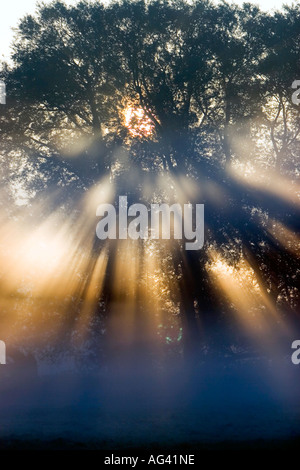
{"x":214,"y":81}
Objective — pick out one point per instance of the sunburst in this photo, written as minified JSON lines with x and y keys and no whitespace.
{"x":138,"y":122}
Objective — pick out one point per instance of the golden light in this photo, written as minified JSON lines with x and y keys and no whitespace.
{"x":137,"y":122}
{"x":288,"y":239}
{"x":54,"y":267}
{"x":267,"y":180}
{"x":55,"y":273}
{"x":252,"y":307}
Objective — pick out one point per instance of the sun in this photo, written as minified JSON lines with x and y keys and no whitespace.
{"x":137,"y":122}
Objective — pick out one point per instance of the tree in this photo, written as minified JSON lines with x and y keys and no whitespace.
{"x":207,"y":81}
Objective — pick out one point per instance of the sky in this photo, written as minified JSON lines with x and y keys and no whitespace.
{"x":16,"y":9}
